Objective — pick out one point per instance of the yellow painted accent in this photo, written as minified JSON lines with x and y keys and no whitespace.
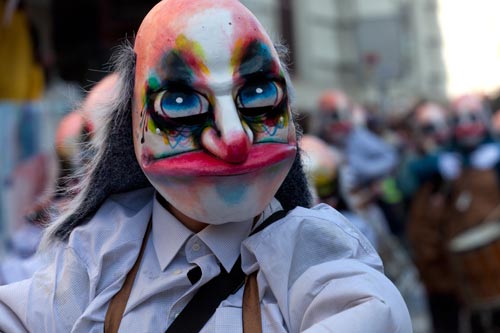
{"x":183,"y":43}
{"x":237,"y":53}
{"x":151,"y":126}
{"x":165,"y":138}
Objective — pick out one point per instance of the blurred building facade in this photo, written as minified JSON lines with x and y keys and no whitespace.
{"x":381,"y":52}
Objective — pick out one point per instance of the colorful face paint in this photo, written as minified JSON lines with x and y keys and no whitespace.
{"x":432,"y":125}
{"x":336,"y":112}
{"x":470,"y":120}
{"x":212,"y":123}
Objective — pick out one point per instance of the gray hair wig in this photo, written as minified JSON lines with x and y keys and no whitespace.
{"x":114,"y":169}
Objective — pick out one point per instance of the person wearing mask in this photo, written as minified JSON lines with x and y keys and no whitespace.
{"x":195,"y":213}
{"x":427,"y":193}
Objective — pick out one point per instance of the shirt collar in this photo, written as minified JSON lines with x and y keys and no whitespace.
{"x":165,"y":223}
{"x":224,"y":240}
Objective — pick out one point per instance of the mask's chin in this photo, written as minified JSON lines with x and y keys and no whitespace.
{"x":223,"y":199}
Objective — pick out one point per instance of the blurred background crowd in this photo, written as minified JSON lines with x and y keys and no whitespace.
{"x":399,"y":102}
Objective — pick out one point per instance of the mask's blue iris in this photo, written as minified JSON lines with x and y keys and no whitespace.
{"x":261,"y":94}
{"x":180,"y":104}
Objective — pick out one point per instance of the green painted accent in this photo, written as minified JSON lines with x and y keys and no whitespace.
{"x":153,"y":82}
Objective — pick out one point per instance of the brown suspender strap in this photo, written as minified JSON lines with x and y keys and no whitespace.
{"x":118,"y":303}
{"x":252,"y":322}
{"x":220,"y":287}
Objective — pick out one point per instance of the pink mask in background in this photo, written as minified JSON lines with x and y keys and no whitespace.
{"x":470,"y":120}
{"x":432,"y":127}
{"x":211,"y":119}
{"x":336,"y":116}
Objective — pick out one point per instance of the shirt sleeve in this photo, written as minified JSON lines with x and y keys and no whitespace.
{"x":13,"y":299}
{"x":346,"y":296}
{"x":50,"y":301}
{"x":325,"y":275}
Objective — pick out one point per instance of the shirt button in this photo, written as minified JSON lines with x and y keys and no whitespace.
{"x":196,"y":247}
{"x":177,"y":271}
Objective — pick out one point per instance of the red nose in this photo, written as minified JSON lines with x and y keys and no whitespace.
{"x":233,"y":147}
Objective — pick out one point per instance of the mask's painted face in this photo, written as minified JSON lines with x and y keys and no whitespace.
{"x":212,"y":123}
{"x":469,"y":121}
{"x":432,"y":126}
{"x":336,"y":112}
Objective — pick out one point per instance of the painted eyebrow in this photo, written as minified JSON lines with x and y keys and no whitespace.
{"x":176,"y":68}
{"x":257,"y":59}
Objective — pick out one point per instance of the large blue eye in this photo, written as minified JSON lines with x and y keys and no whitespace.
{"x":176,"y":104}
{"x":260,"y":94}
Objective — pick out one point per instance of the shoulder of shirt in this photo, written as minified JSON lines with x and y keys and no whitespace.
{"x":321,"y":231}
{"x":325,"y":216}
{"x":121,"y":219}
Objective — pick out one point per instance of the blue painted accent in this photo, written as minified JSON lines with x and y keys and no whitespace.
{"x":232,"y":194}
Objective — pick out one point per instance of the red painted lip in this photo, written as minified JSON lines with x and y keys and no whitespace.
{"x":200,"y":163}
{"x":341,"y":127}
{"x":470,"y":130}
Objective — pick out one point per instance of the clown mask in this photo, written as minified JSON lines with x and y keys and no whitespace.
{"x":431,"y":127}
{"x":470,"y":119}
{"x":336,"y":118}
{"x":211,"y":119}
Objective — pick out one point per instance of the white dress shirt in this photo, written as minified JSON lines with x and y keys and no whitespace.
{"x":317,"y":273}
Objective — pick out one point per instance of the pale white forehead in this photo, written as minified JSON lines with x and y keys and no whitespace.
{"x":342,"y":102}
{"x":213,"y":30}
{"x":466,"y":109}
{"x":469,"y":104}
{"x":432,"y":113}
